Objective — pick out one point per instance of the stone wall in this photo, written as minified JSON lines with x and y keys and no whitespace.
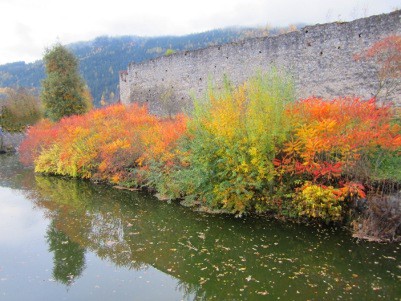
{"x":320,"y":58}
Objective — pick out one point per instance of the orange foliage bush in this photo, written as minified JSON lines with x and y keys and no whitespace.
{"x":103,"y":144}
{"x":39,"y":137}
{"x":330,"y":149}
{"x":248,"y":150}
{"x":329,"y":137}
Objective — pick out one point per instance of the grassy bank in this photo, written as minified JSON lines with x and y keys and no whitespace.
{"x":253,"y":148}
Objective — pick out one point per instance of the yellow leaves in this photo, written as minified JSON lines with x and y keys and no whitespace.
{"x":226,"y":117}
{"x":140,"y":161}
{"x":240,"y":133}
{"x":116,"y":145}
{"x":292,"y":147}
{"x":396,"y":128}
{"x":328,"y":125}
{"x":253,"y":151}
{"x":319,"y":201}
{"x":243,"y":167}
{"x":254,"y":161}
{"x":98,"y":115}
{"x":115,"y":178}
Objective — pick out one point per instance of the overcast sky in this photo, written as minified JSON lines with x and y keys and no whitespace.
{"x":27,"y":27}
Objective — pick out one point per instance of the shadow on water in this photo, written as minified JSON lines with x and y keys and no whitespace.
{"x":212,"y":257}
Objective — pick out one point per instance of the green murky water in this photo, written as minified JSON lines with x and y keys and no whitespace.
{"x":63,"y":239}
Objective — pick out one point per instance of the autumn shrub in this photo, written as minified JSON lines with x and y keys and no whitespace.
{"x":250,"y":148}
{"x":253,"y":148}
{"x":319,"y":201}
{"x":234,"y":136}
{"x":162,"y":158}
{"x":104,"y":144}
{"x":330,"y":137}
{"x":337,"y":144}
{"x":38,"y":139}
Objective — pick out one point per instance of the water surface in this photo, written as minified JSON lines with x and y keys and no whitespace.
{"x":65,"y":239}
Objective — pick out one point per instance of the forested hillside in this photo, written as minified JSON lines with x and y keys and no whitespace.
{"x":102,"y":58}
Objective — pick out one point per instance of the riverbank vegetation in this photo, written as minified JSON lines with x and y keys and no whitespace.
{"x":19,"y":109}
{"x":253,"y":148}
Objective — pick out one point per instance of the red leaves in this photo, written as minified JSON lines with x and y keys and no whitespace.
{"x":329,"y":137}
{"x":311,"y":162}
{"x":353,"y":190}
{"x":319,"y":170}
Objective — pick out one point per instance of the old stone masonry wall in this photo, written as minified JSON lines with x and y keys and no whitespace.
{"x":320,"y":58}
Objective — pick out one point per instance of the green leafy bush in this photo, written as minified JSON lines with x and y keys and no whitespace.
{"x":234,"y":138}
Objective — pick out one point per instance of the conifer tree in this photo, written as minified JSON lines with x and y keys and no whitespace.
{"x":63,"y":90}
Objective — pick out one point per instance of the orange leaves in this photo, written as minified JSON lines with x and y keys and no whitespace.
{"x":330,"y":143}
{"x":102,"y":144}
{"x":329,"y":136}
{"x":247,"y":149}
{"x":353,"y":190}
{"x":160,"y":137}
{"x":38,"y":137}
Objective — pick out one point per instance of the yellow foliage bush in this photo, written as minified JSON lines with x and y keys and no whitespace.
{"x":318,"y":201}
{"x":235,"y":136}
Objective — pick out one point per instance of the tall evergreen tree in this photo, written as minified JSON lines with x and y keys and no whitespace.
{"x":63,"y":90}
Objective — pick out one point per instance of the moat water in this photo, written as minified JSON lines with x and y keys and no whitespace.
{"x":65,"y":239}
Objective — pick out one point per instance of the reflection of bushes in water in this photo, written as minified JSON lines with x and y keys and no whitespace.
{"x":68,"y":257}
{"x":88,"y":220}
{"x":69,"y":252}
{"x":188,"y":289}
{"x":70,"y":192}
{"x":135,"y":238}
{"x":211,"y":256}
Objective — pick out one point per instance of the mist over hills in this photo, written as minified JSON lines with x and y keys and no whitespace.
{"x":101,"y":59}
